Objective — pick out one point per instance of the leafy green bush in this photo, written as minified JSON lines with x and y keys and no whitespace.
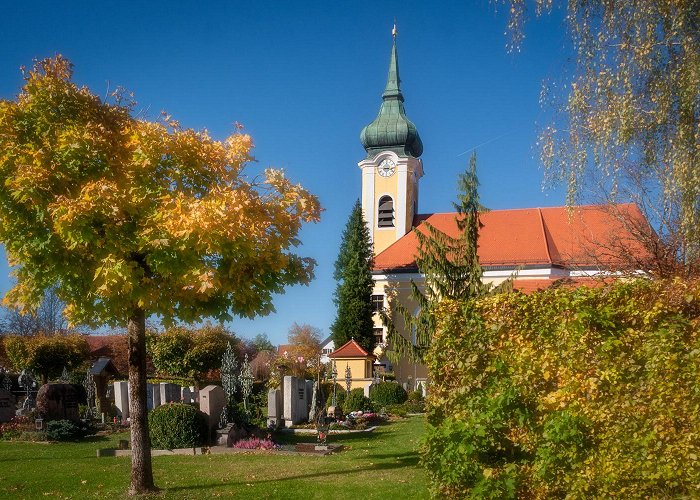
{"x":340,"y":395}
{"x":177,"y":425}
{"x":387,"y":393}
{"x":357,"y":400}
{"x":64,"y":430}
{"x":585,"y":393}
{"x":416,"y":395}
{"x":395,"y":410}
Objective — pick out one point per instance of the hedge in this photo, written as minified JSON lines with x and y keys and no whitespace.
{"x":177,"y":425}
{"x":567,"y":393}
{"x":387,"y":393}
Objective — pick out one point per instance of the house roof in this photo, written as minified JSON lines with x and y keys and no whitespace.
{"x":350,"y":349}
{"x":583,"y":236}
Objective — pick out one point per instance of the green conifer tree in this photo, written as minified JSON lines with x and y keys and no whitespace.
{"x":353,"y":294}
{"x":451,"y":269}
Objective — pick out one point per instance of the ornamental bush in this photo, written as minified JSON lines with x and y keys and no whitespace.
{"x":585,"y":393}
{"x":65,"y":430}
{"x":177,"y":425}
{"x":356,"y":400}
{"x":387,"y":393}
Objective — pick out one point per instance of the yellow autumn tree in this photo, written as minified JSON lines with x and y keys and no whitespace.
{"x":129,"y":218}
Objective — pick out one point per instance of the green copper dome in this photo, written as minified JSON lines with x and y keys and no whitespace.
{"x":391,"y":129}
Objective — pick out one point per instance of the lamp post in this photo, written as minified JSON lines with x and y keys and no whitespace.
{"x":348,"y":378}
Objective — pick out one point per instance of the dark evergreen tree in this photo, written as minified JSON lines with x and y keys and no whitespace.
{"x":353,"y":294}
{"x":451,"y":269}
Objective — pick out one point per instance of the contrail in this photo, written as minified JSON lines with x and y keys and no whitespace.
{"x":485,"y":143}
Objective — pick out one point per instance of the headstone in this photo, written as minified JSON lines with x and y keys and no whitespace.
{"x":367,"y":389}
{"x":212,"y":400}
{"x":295,"y":400}
{"x":169,"y":393}
{"x":195,"y":394}
{"x":155,"y":391}
{"x":186,"y":395}
{"x":121,"y":399}
{"x":149,"y":397}
{"x":274,"y":408}
{"x":58,"y":402}
{"x":7,"y":405}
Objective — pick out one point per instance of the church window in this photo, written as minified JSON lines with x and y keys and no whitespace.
{"x":377,"y":303}
{"x":378,"y":335}
{"x":385,"y":216}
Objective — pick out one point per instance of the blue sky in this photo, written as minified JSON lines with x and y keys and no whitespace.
{"x":304,"y":78}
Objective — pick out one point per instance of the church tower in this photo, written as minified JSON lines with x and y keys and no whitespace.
{"x":392,"y":168}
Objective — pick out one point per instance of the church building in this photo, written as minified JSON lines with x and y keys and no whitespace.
{"x":537,"y":245}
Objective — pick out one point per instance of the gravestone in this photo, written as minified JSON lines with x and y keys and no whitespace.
{"x":185,"y":395}
{"x":295,"y":400}
{"x":169,"y":393}
{"x":212,"y":400}
{"x":58,"y":402}
{"x":152,"y":396}
{"x":367,"y":389}
{"x":195,"y":394}
{"x":274,"y":408}
{"x":7,"y":405}
{"x":155,"y":395}
{"x":121,"y":399}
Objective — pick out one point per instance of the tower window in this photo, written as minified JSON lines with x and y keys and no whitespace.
{"x":378,"y":335}
{"x":377,"y":303}
{"x":385,"y":215}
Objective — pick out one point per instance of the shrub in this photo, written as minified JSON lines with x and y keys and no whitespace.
{"x":416,"y":395}
{"x":340,"y":396}
{"x":585,"y":393}
{"x":414,"y":406}
{"x":356,"y":400}
{"x":395,"y":410}
{"x":177,"y":425}
{"x":387,"y":393}
{"x":64,"y":430}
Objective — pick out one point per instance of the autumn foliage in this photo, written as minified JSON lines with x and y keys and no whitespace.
{"x":120,"y":212}
{"x":586,"y":393}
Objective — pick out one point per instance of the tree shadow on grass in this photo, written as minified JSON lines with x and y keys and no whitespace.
{"x":405,"y":460}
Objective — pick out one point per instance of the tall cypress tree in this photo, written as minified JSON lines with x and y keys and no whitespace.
{"x":451,"y":269}
{"x":353,"y":293}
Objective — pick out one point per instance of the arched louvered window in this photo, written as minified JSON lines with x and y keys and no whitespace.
{"x":385,"y":213}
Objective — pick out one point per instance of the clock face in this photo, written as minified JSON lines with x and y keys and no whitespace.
{"x":387,"y":167}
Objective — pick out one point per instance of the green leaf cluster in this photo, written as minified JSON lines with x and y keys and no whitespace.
{"x":47,"y":355}
{"x":580,"y":393}
{"x":188,"y":352}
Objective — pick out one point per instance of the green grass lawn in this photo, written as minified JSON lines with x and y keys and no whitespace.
{"x":382,"y":464}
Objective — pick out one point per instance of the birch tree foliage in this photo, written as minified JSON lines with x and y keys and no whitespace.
{"x":629,"y":113}
{"x":121,"y":213}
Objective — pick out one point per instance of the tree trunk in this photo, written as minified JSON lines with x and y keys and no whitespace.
{"x":141,"y":470}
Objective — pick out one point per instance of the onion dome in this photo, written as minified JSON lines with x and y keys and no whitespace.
{"x":391,"y":129}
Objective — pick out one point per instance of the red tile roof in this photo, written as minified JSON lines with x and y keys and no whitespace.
{"x":554,"y":236}
{"x":350,"y":349}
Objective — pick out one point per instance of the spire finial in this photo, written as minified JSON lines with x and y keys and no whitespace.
{"x":394,"y":31}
